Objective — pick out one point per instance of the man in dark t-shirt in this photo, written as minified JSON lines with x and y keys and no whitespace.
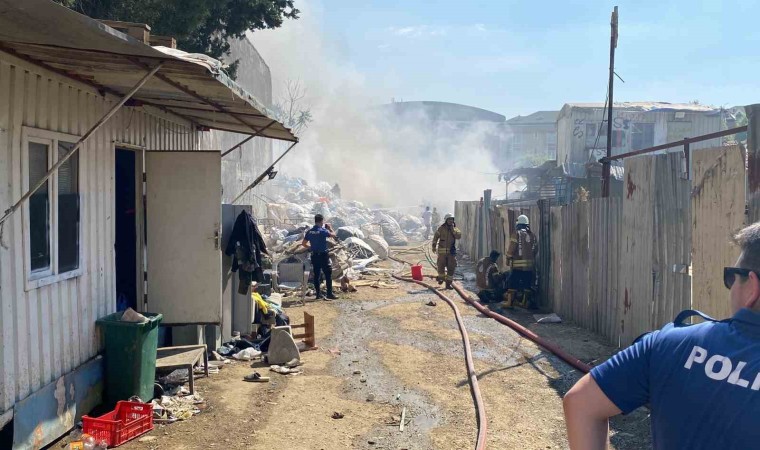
{"x":316,"y":240}
{"x":702,"y":382}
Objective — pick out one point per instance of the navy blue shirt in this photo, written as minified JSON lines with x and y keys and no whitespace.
{"x":702,"y":383}
{"x":317,"y":237}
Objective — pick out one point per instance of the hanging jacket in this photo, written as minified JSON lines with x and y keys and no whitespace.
{"x":246,"y":244}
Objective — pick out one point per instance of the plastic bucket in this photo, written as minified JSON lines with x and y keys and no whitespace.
{"x":417,"y":273}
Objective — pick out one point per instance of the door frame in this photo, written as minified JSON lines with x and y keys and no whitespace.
{"x":140,"y":250}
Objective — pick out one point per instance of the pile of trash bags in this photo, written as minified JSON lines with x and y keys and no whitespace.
{"x":294,"y":213}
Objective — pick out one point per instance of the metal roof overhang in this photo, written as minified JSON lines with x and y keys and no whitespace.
{"x":191,"y":86}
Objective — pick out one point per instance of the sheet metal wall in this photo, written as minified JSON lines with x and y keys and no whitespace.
{"x":49,"y":331}
{"x":718,"y":199}
{"x":620,"y":266}
{"x":571,"y":125}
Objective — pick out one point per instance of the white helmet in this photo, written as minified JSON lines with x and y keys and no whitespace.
{"x":523,"y":220}
{"x":448,"y":216}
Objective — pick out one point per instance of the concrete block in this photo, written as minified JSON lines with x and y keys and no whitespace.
{"x":282,"y":347}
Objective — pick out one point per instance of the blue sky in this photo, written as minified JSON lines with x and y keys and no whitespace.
{"x":519,"y":56}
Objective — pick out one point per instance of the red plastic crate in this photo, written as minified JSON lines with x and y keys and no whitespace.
{"x":127,"y":421}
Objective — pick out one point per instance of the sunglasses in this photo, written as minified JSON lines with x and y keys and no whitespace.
{"x":729,"y":275}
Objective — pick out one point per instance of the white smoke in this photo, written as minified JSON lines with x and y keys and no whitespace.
{"x":375,"y":158}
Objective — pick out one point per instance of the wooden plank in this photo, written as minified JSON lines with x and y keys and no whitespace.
{"x":717,"y":202}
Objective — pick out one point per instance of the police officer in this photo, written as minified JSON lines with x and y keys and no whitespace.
{"x":316,"y":240}
{"x":702,"y":381}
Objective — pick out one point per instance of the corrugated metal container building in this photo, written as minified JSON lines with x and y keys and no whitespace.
{"x":60,"y":73}
{"x":51,"y":324}
{"x":582,"y":134}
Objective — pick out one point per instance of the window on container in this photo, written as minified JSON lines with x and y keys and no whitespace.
{"x":643,"y":136}
{"x":551,"y":144}
{"x":39,"y":209}
{"x":596,"y":135}
{"x":68,"y":210}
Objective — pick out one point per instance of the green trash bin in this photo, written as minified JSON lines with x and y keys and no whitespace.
{"x":130,"y":357}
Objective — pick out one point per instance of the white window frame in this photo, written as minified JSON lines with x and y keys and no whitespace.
{"x":50,"y":276}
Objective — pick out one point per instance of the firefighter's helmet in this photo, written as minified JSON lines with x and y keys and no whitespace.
{"x":523,"y":220}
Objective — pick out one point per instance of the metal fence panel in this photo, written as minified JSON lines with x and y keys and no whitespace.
{"x":717,"y":200}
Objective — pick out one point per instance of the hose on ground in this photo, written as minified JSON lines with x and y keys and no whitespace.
{"x":547,"y":345}
{"x":544,"y":343}
{"x":472,"y":375}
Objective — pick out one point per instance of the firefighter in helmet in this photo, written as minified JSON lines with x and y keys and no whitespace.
{"x":444,"y":243}
{"x":521,"y":256}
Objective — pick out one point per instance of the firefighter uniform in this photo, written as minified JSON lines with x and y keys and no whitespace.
{"x":444,"y":244}
{"x":488,"y":278}
{"x":523,"y":249}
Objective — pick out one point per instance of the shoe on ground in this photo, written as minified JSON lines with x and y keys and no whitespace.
{"x":331,"y":297}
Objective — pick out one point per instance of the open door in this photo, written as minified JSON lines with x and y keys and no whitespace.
{"x":183,"y":211}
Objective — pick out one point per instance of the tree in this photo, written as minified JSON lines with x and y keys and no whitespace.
{"x":290,"y":109}
{"x":200,"y":26}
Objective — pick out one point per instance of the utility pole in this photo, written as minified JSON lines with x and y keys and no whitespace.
{"x":613,"y":46}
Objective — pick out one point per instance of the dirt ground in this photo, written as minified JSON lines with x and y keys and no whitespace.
{"x":382,"y":351}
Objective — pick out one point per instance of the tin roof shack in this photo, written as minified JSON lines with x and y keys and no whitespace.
{"x":86,"y":114}
{"x":553,"y":182}
{"x":582,"y":130}
{"x":534,"y":136}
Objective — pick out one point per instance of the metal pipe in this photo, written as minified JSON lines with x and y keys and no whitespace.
{"x":610,"y":89}
{"x":217,"y":106}
{"x":704,"y":137}
{"x":263,"y":174}
{"x":471,"y":374}
{"x":249,"y":138}
{"x":687,"y":157}
{"x":93,"y":129}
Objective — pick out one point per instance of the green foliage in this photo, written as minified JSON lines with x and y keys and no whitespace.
{"x":200,"y":26}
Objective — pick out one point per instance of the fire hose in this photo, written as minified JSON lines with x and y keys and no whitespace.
{"x":548,"y":345}
{"x":472,"y":375}
{"x":544,"y":343}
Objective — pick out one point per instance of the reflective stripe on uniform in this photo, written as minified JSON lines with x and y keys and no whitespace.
{"x":522,"y":263}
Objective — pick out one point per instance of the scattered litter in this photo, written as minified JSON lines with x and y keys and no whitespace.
{"x":177,"y":377}
{"x":130,"y":315}
{"x":247,"y":354}
{"x":357,"y":372}
{"x":345,"y":285}
{"x":337,"y":415}
{"x":334,"y":351}
{"x":147,"y":439}
{"x":199,"y":370}
{"x":403,"y":417}
{"x":547,"y":318}
{"x":431,"y":303}
{"x":295,"y":362}
{"x":170,"y":409}
{"x":363,"y":379}
{"x":371,"y":397}
{"x":285,"y":370}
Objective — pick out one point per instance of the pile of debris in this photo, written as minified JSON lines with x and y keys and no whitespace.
{"x":302,"y":201}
